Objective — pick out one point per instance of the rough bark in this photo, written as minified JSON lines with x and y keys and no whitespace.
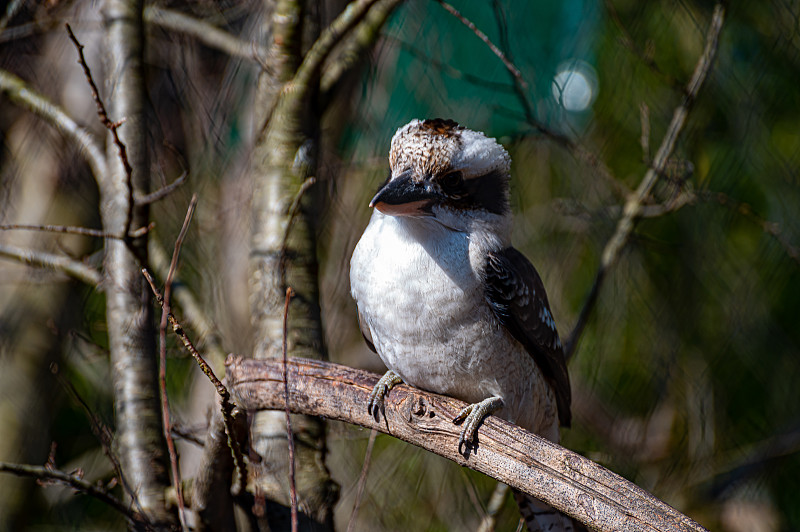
{"x":139,"y":438}
{"x":567,"y":481}
{"x":277,"y":261}
{"x":283,"y":246}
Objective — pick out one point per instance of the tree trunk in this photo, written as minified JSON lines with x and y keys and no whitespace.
{"x":139,"y":439}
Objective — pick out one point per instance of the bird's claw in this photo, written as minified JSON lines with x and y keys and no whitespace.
{"x":472,"y":416}
{"x":378,"y":393}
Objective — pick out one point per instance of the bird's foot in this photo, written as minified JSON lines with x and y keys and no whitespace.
{"x":472,"y":416}
{"x":386,"y":383}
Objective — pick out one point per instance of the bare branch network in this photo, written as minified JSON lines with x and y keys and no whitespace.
{"x":563,"y":479}
{"x":567,"y":481}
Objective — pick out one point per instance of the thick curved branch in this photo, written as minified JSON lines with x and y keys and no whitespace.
{"x":567,"y":481}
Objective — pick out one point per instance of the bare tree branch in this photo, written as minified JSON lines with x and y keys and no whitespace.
{"x":226,"y":404}
{"x":162,"y":363}
{"x":129,"y":315}
{"x":72,"y":480}
{"x":71,"y":230}
{"x":493,"y":508}
{"x":206,"y":33}
{"x":482,"y":36}
{"x":313,"y":61}
{"x":112,"y":126}
{"x":60,"y":263}
{"x":193,"y":313}
{"x":521,"y":88}
{"x":162,"y":192}
{"x":355,"y":45}
{"x":634,"y":206}
{"x":20,"y":93}
{"x":561,"y":478}
{"x":287,"y":411}
{"x":283,"y":158}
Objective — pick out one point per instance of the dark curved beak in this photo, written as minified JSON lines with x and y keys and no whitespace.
{"x":401,"y":196}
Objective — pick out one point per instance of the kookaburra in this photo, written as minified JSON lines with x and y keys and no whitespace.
{"x":446,"y":301}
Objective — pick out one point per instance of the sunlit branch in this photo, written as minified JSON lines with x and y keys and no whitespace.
{"x":561,"y":478}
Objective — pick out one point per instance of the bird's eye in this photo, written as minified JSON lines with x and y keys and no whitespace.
{"x":451,"y":180}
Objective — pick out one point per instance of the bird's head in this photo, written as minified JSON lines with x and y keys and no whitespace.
{"x":442,"y":170}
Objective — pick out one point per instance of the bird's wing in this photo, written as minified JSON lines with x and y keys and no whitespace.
{"x":366,"y":332}
{"x":516,"y":295}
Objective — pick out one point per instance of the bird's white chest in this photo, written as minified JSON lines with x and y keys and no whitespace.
{"x":417,"y":289}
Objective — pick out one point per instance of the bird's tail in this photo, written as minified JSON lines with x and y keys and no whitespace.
{"x":540,"y":517}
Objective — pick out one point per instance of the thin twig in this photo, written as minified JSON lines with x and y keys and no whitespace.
{"x":73,"y":230}
{"x":482,"y":36}
{"x":193,"y":313}
{"x":173,"y":265}
{"x":101,"y":431}
{"x":627,"y":41}
{"x":644,"y":115}
{"x":162,"y":192}
{"x":520,"y":88}
{"x":449,"y":70}
{"x":227,"y":406}
{"x":496,"y":501}
{"x":162,"y":370}
{"x":289,"y":433}
{"x":632,"y":211}
{"x":189,"y":434}
{"x":362,"y":480}
{"x":771,"y":228}
{"x":72,"y":480}
{"x":111,"y":126}
{"x":60,"y":263}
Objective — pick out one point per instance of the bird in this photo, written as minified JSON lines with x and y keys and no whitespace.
{"x":447,"y":302}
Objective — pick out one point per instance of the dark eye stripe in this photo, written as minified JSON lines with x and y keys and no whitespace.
{"x":489,"y":191}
